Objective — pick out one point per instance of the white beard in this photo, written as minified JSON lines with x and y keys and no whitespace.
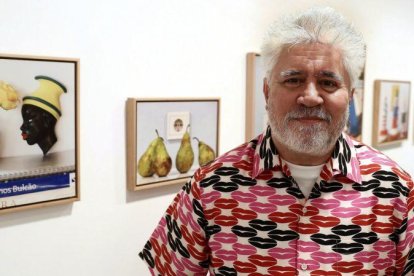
{"x":316,"y":140}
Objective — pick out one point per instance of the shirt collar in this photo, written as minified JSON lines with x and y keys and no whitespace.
{"x":343,"y":161}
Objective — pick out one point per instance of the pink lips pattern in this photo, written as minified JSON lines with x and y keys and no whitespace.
{"x":257,"y":223}
{"x":345,"y":212}
{"x":326,"y":258}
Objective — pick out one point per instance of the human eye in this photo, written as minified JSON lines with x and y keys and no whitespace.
{"x":328,"y":85}
{"x":292,"y":82}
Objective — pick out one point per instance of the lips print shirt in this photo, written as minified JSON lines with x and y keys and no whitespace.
{"x":243,"y":214}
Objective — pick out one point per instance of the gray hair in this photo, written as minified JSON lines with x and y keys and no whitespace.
{"x":323,"y":25}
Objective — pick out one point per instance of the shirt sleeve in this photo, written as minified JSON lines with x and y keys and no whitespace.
{"x":178,"y":245}
{"x":405,"y":246}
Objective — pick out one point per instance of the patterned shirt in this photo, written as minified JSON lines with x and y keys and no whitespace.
{"x":244,"y":214}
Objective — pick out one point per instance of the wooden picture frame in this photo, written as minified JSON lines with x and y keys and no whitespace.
{"x":256,"y":115}
{"x":391,"y":112}
{"x":147,"y":119}
{"x":39,"y":148}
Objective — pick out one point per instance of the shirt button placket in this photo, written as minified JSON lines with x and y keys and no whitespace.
{"x":303,"y":270}
{"x":303,"y":267}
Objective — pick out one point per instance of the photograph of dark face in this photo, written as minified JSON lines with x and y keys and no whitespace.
{"x":37,"y":125}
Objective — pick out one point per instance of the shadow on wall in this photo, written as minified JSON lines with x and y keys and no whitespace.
{"x":153,"y":193}
{"x":36,"y":214}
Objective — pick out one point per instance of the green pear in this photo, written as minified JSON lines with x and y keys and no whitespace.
{"x":205,"y":153}
{"x":185,"y":155}
{"x":145,"y":166}
{"x":162,"y":161}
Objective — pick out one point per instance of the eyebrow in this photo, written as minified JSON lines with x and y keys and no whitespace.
{"x":290,"y":73}
{"x":329,"y":74}
{"x":323,"y":73}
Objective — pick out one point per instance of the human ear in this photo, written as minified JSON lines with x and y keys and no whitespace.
{"x":266,"y":89}
{"x":351,"y":95}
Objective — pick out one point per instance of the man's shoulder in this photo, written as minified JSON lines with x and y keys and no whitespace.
{"x":373,"y":161}
{"x":238,"y":160}
{"x":244,"y":151}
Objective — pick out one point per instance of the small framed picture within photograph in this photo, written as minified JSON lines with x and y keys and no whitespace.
{"x":169,"y":139}
{"x":177,"y":123}
{"x":391,"y":112}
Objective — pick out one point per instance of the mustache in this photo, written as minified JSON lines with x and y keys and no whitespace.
{"x":305,"y":112}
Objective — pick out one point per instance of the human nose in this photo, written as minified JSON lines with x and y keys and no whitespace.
{"x":310,"y":96}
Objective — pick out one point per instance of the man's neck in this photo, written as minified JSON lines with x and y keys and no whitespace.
{"x":300,"y":158}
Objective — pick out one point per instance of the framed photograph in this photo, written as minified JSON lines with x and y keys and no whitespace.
{"x":39,"y":145}
{"x":155,"y":156}
{"x":176,"y":124}
{"x":256,"y":115}
{"x":391,"y":112}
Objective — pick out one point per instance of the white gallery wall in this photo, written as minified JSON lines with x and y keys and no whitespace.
{"x":158,"y":48}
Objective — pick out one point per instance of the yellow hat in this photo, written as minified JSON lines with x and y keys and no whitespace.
{"x":47,"y":95}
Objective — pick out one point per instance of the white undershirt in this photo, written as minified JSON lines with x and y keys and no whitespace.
{"x":305,"y":176}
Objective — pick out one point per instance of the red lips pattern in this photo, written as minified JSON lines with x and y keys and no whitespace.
{"x":244,"y":214}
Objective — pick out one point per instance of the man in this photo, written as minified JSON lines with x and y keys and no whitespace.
{"x":302,"y":198}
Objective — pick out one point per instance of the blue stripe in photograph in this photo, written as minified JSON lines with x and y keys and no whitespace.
{"x":34,"y":185}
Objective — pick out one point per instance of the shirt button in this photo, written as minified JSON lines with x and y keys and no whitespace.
{"x":304,"y":210}
{"x":304,"y":267}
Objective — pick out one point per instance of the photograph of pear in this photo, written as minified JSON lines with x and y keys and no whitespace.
{"x":205,"y":153}
{"x":155,"y":159}
{"x":170,"y":155}
{"x":185,"y":155}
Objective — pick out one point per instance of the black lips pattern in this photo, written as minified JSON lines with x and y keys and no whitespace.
{"x":171,"y":241}
{"x":330,"y":187}
{"x":205,"y":263}
{"x":316,"y":192}
{"x":366,"y":185}
{"x":409,"y":268}
{"x":365,"y":238}
{"x":384,"y":192}
{"x":295,"y":191}
{"x":325,"y":239}
{"x":243,"y":231}
{"x":385,"y":176}
{"x":347,"y":248}
{"x":226,"y":271}
{"x":263,"y":243}
{"x":225,"y":187}
{"x":198,"y":209}
{"x":211,"y":230}
{"x":146,"y":255}
{"x":243,"y":180}
{"x":262,"y":225}
{"x":187,"y":187}
{"x":402,"y":228}
{"x":283,"y":235}
{"x":404,"y":191}
{"x":267,"y":150}
{"x":206,"y":182}
{"x":279,"y":183}
{"x":182,"y":249}
{"x":346,"y":230}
